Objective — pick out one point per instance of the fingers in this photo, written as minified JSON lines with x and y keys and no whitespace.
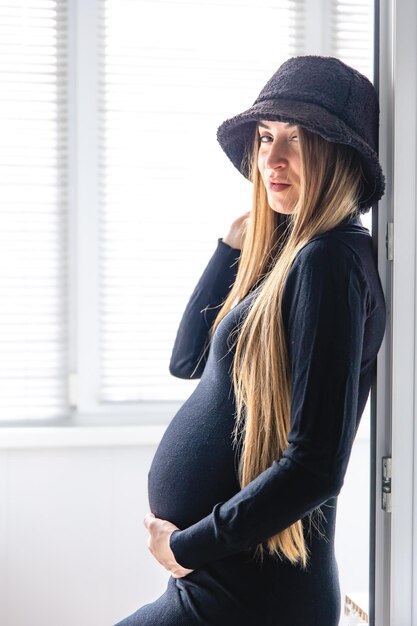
{"x":149,"y":517}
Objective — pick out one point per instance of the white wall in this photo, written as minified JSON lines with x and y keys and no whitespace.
{"x":72,"y":542}
{"x":352,"y":528}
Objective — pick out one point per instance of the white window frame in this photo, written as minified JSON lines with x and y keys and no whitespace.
{"x":83,"y":232}
{"x":396,"y":549}
{"x":379,"y":557}
{"x":83,"y":378}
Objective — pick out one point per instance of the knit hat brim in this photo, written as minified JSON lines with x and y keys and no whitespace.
{"x":235,"y":136}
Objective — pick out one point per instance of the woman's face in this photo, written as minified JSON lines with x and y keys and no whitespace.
{"x":279,"y":164}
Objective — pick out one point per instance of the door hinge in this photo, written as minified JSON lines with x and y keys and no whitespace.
{"x":390,"y":241}
{"x":386,"y":483}
{"x":73,"y":390}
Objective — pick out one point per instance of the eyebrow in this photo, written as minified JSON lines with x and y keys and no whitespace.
{"x":287,"y":124}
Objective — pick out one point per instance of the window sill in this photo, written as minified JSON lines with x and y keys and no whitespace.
{"x":99,"y":433}
{"x":80,"y":436}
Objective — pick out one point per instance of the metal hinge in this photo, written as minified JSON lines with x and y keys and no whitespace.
{"x":390,"y":241}
{"x":73,"y":389}
{"x":386,"y":483}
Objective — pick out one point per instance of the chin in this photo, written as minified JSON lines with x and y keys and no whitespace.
{"x":282,"y":209}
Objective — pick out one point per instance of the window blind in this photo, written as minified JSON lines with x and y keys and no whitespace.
{"x":171,"y":73}
{"x":352,"y":37}
{"x":33,"y":272}
{"x":352,"y":41}
{"x":352,"y":32}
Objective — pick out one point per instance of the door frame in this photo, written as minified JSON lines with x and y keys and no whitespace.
{"x":394,"y":558}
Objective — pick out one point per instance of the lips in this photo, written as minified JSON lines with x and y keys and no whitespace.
{"x":277,"y":186}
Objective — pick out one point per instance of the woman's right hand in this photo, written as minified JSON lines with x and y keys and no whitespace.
{"x":236,"y":235}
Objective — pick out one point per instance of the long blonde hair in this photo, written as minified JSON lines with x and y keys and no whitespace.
{"x":330,"y":187}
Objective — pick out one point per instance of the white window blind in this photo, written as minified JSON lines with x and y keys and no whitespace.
{"x":172,"y":72}
{"x":33,"y":332}
{"x":352,"y":33}
{"x":352,"y":40}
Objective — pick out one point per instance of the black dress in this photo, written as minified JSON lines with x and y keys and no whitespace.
{"x":334,"y":317}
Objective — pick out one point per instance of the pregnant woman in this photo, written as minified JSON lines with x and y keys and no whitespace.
{"x":283,"y":330}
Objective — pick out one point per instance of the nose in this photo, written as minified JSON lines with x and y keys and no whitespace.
{"x":277,"y":155}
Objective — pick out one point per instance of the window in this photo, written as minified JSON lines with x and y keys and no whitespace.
{"x":166,"y":191}
{"x":33,"y":209}
{"x":109,"y":211}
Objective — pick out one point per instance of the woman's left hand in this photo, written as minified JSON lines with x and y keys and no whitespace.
{"x":158,"y":543}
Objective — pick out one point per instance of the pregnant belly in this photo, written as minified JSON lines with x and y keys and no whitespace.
{"x":194,"y":465}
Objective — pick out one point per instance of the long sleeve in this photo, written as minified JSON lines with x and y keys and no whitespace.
{"x":324,"y":313}
{"x":211,"y":290}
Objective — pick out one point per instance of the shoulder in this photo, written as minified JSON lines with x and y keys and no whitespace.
{"x":324,"y":270}
{"x":329,"y":255}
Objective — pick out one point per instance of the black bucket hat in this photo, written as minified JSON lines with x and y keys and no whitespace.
{"x":325,"y":96}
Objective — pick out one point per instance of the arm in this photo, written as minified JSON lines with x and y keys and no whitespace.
{"x":324,"y":311}
{"x":211,"y":290}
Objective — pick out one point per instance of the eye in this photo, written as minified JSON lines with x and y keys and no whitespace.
{"x":261,"y":137}
{"x":267,"y":138}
